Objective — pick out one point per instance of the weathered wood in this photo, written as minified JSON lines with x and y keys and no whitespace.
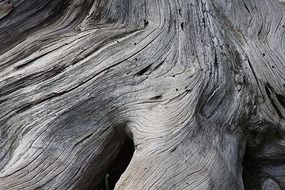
{"x":197,"y":84}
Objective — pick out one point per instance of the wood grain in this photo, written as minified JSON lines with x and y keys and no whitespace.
{"x":198,"y":85}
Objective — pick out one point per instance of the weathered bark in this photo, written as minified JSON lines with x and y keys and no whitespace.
{"x":197,"y":84}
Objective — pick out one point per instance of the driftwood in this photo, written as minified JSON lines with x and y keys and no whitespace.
{"x":198,"y":85}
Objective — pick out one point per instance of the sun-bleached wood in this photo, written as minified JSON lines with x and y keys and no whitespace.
{"x":199,"y":85}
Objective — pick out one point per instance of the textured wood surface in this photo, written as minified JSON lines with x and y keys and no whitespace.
{"x":199,"y":85}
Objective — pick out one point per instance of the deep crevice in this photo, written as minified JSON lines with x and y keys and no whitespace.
{"x":269,"y":91}
{"x":156,"y":97}
{"x":144,"y":70}
{"x":118,"y":166}
{"x":281,"y":99}
{"x":262,"y":163}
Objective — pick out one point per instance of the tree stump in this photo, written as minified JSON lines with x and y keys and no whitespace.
{"x":197,"y":85}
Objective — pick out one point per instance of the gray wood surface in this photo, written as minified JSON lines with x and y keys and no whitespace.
{"x":199,"y":85}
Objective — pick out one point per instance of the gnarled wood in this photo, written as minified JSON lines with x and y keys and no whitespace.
{"x":197,"y":84}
